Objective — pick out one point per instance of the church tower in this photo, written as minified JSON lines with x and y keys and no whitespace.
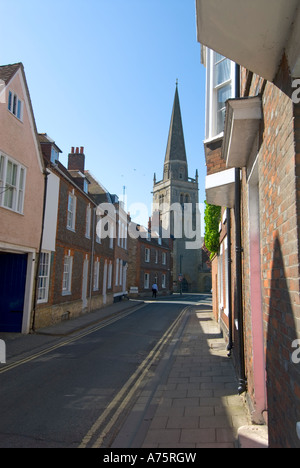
{"x":175,"y":197}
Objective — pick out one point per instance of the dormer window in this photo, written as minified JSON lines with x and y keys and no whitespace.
{"x":54,"y":155}
{"x":15,"y":105}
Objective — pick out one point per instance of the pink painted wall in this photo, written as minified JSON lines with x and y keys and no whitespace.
{"x":17,"y":140}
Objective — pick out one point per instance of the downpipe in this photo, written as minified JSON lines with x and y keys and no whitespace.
{"x":230,"y":334}
{"x":242,"y":379}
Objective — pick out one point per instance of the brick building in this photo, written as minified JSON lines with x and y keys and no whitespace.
{"x":113,"y":224}
{"x":150,"y":261}
{"x":75,"y":275}
{"x":252,"y":150}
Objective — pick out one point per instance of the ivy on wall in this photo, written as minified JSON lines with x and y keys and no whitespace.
{"x":212,"y":217}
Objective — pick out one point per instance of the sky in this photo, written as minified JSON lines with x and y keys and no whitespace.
{"x":101,"y":74}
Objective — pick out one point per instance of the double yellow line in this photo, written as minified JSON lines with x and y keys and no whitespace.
{"x":123,"y":397}
{"x":32,"y":357}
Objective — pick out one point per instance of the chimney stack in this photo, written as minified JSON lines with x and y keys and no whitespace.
{"x":76,"y":159}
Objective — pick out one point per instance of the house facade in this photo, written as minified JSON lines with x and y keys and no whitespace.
{"x":252,"y":155}
{"x":112,"y":227}
{"x":22,"y":182}
{"x":150,"y":261}
{"x":74,"y":273}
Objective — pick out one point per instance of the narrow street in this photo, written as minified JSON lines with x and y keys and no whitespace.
{"x":75,"y":391}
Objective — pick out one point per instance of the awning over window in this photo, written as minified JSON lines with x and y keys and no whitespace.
{"x":254,"y":34}
{"x":243,"y":117}
{"x":219,"y":188}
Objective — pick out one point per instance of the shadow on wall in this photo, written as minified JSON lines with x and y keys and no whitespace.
{"x":283,"y":369}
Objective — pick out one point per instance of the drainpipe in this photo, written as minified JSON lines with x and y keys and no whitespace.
{"x":92,"y":257}
{"x":46,"y":174}
{"x":239,"y":301}
{"x":230,"y":340}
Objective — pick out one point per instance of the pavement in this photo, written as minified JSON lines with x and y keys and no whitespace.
{"x":191,"y":399}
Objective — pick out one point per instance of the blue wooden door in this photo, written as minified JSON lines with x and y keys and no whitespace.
{"x":13,"y":269}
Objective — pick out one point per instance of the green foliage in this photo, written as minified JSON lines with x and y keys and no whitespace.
{"x":212,"y":216}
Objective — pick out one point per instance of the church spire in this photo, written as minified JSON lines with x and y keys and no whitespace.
{"x":176,"y":146}
{"x":175,"y":152}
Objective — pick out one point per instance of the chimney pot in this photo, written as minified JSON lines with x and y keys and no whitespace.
{"x":72,"y":150}
{"x":81,"y":149}
{"x":77,"y":150}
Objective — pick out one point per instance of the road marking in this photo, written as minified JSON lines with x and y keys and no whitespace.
{"x":104,"y":324}
{"x":120,"y":401}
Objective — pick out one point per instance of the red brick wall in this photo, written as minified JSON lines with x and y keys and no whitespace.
{"x":279,"y":233}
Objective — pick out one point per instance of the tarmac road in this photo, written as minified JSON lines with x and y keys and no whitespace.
{"x":75,"y":390}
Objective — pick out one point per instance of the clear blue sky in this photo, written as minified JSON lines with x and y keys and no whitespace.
{"x":102,"y":73}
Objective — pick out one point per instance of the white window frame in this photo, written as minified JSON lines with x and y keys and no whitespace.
{"x":15,"y":187}
{"x":71,"y":211}
{"x":117,"y":272}
{"x":164,"y":258}
{"x":109,"y":281}
{"x":88,"y":217}
{"x":212,"y":89}
{"x":146,"y":280}
{"x":163,"y":281}
{"x":15,"y":105}
{"x":96,"y":275}
{"x":43,"y":277}
{"x":67,"y":275}
{"x":147,"y":255}
{"x":121,"y":272}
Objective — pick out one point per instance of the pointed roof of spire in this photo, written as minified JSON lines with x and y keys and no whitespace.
{"x":176,"y":146}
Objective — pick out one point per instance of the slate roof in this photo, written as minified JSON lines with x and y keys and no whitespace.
{"x":8,"y":71}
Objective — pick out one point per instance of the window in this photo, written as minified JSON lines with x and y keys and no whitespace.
{"x":156,"y":256}
{"x":71,"y":211}
{"x":146,"y":280}
{"x":222,"y":84}
{"x":164,"y":258}
{"x":163,"y":281}
{"x":220,"y":78}
{"x":54,"y":155}
{"x":12,"y":184}
{"x":121,"y":272}
{"x":109,"y":275}
{"x":117,"y":271}
{"x":85,"y":186}
{"x":98,"y":229}
{"x":88,"y":221}
{"x":96,"y":275}
{"x":43,"y":279}
{"x":67,"y":275}
{"x":147,"y":255}
{"x":15,"y":105}
{"x":111,"y":236}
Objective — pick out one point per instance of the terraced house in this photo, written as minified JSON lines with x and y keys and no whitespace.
{"x":22,"y":182}
{"x":251,"y":51}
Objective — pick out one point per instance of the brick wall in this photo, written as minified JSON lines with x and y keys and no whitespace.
{"x":278,"y":159}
